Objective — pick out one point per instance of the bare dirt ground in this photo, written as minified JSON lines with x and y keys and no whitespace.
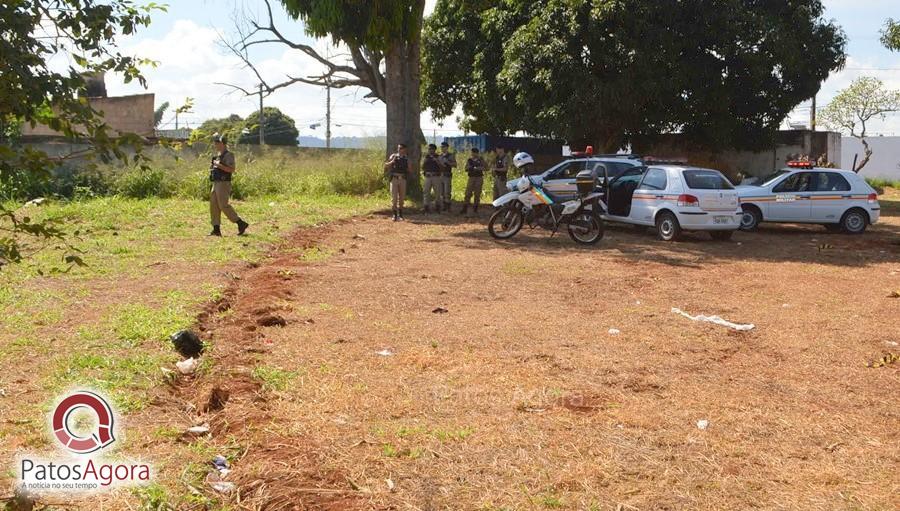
{"x":519,"y":397}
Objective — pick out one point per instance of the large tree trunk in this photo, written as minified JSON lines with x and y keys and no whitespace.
{"x":402,"y":80}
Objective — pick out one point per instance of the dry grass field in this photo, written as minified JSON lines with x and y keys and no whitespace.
{"x":422,"y":365}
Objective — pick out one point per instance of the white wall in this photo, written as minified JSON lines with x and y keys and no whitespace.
{"x":885,"y":161}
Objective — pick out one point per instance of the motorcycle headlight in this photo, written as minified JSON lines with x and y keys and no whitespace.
{"x":523,"y":185}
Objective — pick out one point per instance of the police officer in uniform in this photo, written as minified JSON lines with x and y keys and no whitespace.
{"x":448,"y":160}
{"x":221,"y":168}
{"x":399,"y":168}
{"x":500,"y":172}
{"x":475,"y":169}
{"x":431,"y":189}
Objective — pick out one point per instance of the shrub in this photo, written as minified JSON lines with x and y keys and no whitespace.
{"x":184,"y":172}
{"x":142,"y":184}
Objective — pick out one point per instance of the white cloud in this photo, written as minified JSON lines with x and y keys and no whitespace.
{"x":192,"y":61}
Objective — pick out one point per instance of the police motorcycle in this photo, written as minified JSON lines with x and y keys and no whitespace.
{"x":530,"y":204}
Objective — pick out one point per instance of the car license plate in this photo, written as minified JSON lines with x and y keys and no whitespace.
{"x":721,"y":219}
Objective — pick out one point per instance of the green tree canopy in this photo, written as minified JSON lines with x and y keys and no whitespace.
{"x":34,"y":93}
{"x":229,"y":126}
{"x":890,"y":35}
{"x":382,"y":40}
{"x":724,"y":72}
{"x":279,"y":128}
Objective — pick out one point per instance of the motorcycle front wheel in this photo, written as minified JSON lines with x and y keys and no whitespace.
{"x":505,"y":223}
{"x":586,"y":229}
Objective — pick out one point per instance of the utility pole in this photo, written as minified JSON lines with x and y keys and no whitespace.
{"x":262,"y":119}
{"x":812,"y":115}
{"x":328,"y":114}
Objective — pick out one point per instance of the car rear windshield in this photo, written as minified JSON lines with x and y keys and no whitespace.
{"x":706,"y":180}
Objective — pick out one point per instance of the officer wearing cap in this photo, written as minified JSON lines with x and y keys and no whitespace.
{"x":475,"y":169}
{"x":431,"y":189}
{"x":398,"y":168}
{"x":448,"y":162}
{"x":500,"y":172}
{"x":221,"y":169}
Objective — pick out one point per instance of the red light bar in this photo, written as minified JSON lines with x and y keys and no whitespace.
{"x":797,"y":164}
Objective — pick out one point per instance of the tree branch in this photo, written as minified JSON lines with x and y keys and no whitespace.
{"x":365,"y":71}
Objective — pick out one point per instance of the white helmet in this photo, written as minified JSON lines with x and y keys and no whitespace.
{"x":522,"y":159}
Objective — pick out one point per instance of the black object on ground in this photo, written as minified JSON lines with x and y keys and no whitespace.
{"x":187,"y":343}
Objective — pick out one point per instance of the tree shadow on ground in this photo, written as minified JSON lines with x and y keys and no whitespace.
{"x":771,"y":243}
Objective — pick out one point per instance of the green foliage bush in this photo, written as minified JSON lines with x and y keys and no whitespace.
{"x":184,"y":173}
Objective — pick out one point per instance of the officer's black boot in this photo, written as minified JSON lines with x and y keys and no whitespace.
{"x":216,"y":231}
{"x":242,"y":226}
{"x":396,"y":217}
{"x":400,"y":214}
{"x":465,"y":209}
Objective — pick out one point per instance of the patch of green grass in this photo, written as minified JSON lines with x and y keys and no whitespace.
{"x":442,"y":435}
{"x":153,"y":497}
{"x":134,"y":323}
{"x":273,"y":378}
{"x":452,"y":435}
{"x":124,"y":378}
{"x":551,"y":501}
{"x":390,"y":451}
{"x":519,"y":266}
{"x":23,"y":311}
{"x":406,"y":431}
{"x":882,"y":183}
{"x":166,"y":433}
{"x":122,"y":236}
{"x":315,"y":254}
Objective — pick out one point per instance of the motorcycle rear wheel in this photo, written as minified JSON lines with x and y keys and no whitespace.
{"x":505,"y":223}
{"x":587,"y":229}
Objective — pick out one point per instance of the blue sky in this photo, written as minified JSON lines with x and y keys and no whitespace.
{"x":186,"y":43}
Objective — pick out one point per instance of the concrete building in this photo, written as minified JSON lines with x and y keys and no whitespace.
{"x":885,"y":160}
{"x":123,"y":114}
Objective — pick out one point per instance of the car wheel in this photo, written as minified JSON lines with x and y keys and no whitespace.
{"x":667,"y":227}
{"x":854,"y":221}
{"x":721,"y":235}
{"x":750,"y":218}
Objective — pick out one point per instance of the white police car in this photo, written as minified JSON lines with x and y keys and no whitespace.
{"x":559,"y":179}
{"x":675,"y":198}
{"x":802,"y":193}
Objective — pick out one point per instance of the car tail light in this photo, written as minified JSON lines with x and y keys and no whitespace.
{"x":688,"y":201}
{"x":873,"y":197}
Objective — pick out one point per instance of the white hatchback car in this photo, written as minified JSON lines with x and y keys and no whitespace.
{"x":801,"y":193}
{"x":675,"y":198}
